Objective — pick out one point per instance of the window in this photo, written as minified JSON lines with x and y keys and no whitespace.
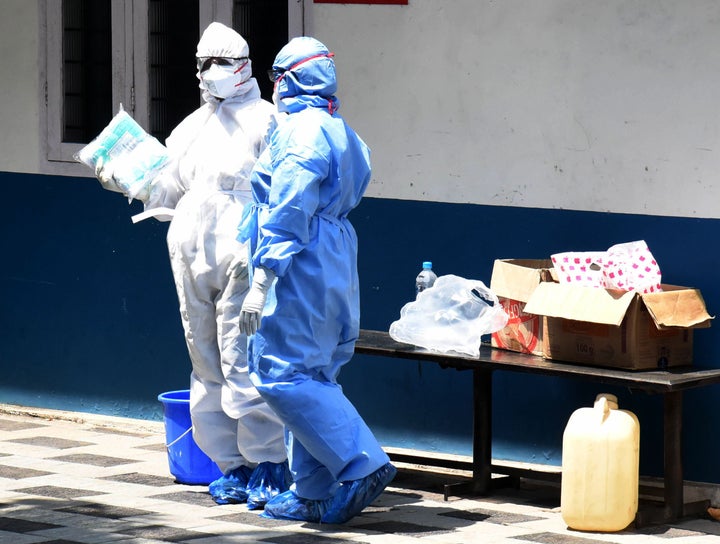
{"x":140,"y":53}
{"x":264,"y":24}
{"x":173,"y":35}
{"x":86,"y":68}
{"x":83,"y":84}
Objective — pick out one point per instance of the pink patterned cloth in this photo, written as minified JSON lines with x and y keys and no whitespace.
{"x":627,"y":267}
{"x":580,"y":268}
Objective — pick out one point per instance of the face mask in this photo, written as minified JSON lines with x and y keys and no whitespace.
{"x":222,"y":81}
{"x":277,"y":101}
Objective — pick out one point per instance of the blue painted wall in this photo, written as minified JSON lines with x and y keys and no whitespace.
{"x":89,"y":315}
{"x":420,"y":405}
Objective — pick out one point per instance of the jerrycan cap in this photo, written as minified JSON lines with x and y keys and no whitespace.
{"x":606,"y":399}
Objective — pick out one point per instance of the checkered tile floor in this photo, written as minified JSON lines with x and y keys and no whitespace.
{"x":75,"y":478}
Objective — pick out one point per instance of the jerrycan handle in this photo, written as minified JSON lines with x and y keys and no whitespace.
{"x":605,"y":402}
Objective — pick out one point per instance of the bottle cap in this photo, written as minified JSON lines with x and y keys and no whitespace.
{"x":427,"y":264}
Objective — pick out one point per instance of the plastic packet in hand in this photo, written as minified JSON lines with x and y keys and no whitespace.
{"x":135,"y":156}
{"x":451,"y":315}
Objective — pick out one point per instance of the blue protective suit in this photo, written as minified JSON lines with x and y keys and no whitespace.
{"x":313,"y":173}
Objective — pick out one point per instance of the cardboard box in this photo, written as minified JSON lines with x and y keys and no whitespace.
{"x":617,"y":328}
{"x":513,"y":281}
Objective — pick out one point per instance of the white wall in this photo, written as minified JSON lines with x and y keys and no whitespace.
{"x":574,"y":104}
{"x":20,"y":90}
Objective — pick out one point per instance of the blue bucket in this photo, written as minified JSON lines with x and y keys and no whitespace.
{"x":188,"y":463}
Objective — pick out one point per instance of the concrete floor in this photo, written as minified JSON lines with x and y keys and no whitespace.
{"x":70,"y":478}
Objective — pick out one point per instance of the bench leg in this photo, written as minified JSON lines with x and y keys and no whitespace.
{"x":674,"y":507}
{"x":482,"y":438}
{"x":673,"y":455}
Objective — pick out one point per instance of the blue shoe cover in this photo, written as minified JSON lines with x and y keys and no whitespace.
{"x":288,"y":505}
{"x":349,"y":501}
{"x":354,"y":496}
{"x":231,"y":487}
{"x":267,"y":480}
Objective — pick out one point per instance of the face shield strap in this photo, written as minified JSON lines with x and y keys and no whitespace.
{"x":243,"y":65}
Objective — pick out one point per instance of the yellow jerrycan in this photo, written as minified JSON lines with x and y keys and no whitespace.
{"x":600,"y":467}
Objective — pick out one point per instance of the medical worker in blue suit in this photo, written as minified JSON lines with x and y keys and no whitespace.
{"x":303,"y":307}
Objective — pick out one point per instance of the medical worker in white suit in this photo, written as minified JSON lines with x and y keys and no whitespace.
{"x":206,"y":187}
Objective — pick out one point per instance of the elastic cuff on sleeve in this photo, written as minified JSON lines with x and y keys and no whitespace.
{"x":263,"y":277}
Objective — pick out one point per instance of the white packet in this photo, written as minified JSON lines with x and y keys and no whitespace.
{"x":135,"y":156}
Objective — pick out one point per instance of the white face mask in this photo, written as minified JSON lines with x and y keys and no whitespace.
{"x":276,"y":100}
{"x":222,"y":81}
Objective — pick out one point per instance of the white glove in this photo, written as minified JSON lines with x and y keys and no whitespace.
{"x":105,"y":175}
{"x":252,"y":308}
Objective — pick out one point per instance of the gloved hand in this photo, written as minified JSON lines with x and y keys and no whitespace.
{"x":104,"y":173}
{"x":252,"y":308}
{"x":142,"y":193}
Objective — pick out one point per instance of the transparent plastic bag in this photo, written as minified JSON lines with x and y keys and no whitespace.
{"x":451,"y":315}
{"x":135,"y":156}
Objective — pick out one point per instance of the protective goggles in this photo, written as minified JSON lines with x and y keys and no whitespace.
{"x":276,"y":73}
{"x":204,"y":63}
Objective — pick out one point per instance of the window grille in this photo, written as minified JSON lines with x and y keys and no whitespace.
{"x":173,"y":29}
{"x":264,"y":25}
{"x":87,"y":69}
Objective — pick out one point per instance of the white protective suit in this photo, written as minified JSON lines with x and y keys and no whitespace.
{"x":208,"y":184}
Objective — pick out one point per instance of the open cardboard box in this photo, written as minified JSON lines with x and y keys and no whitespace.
{"x":513,"y":281}
{"x":619,"y":329}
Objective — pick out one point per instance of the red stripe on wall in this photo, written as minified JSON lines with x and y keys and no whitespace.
{"x":399,"y":2}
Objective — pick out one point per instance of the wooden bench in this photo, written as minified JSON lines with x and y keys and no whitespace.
{"x":669,"y":383}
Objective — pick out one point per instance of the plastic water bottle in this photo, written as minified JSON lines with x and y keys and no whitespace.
{"x":425,"y":279}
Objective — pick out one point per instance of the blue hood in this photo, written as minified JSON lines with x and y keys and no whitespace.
{"x":309,"y":75}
